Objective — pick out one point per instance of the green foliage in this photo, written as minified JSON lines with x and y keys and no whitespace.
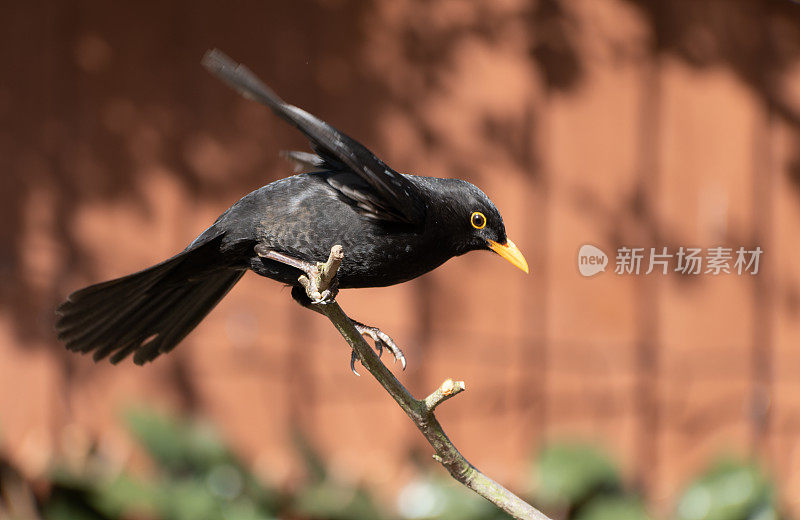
{"x":337,"y":501}
{"x":198,"y":497}
{"x":325,"y":498}
{"x":569,"y":473}
{"x":442,"y":498}
{"x":583,"y":483}
{"x":196,"y":476}
{"x":730,"y":490}
{"x":179,"y":447}
{"x":613,"y":508}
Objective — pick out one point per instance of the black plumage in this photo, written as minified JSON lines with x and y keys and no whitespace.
{"x":393,"y":227}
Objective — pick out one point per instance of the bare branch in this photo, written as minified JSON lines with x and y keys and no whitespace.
{"x":327,"y":271}
{"x":420,"y":412}
{"x":448,"y":389}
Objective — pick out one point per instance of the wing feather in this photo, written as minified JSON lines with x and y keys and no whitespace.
{"x":399,"y":195}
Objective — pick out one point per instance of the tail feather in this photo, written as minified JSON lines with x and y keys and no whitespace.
{"x":101,"y":321}
{"x":85,"y":309}
{"x":105,"y":290}
{"x":74,"y":326}
{"x":149,"y":312}
{"x":129,"y":345}
{"x":186,"y":318}
{"x":144,"y":319}
{"x":95,"y":299}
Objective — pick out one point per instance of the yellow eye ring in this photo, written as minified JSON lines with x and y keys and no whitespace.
{"x":478,"y":220}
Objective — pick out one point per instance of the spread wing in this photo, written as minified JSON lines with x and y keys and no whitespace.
{"x":393,"y":196}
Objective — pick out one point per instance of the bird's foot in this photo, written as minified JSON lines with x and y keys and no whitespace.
{"x":321,"y":281}
{"x":317,"y":275}
{"x":381,"y":340}
{"x":326,"y":296}
{"x":323,"y":297}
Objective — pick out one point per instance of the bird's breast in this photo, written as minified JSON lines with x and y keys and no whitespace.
{"x":378,"y":260}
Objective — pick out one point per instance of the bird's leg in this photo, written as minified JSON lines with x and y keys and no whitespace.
{"x":312,"y":270}
{"x":309,"y":296}
{"x":380,"y":338}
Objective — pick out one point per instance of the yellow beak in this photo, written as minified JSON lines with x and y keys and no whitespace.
{"x":510,"y":252}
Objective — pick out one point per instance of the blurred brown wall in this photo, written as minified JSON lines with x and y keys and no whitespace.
{"x":609,"y":122}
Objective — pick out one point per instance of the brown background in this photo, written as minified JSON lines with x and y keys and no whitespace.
{"x":610,"y":122}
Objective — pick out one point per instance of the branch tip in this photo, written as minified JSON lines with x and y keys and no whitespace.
{"x":448,"y":389}
{"x":327,"y":272}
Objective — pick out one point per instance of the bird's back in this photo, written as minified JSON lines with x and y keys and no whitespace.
{"x":303,"y":216}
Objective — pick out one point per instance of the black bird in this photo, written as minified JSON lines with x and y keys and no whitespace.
{"x":393,"y":227}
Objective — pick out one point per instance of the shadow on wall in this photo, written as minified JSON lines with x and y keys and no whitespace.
{"x":102,"y":96}
{"x":758,"y":41}
{"x":94,"y":106}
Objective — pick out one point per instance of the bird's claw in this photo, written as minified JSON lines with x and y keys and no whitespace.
{"x":381,"y":340}
{"x":353,"y":358}
{"x":326,"y":296}
{"x":310,"y":282}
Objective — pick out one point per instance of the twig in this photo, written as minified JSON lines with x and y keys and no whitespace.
{"x":421,"y":412}
{"x":448,"y":389}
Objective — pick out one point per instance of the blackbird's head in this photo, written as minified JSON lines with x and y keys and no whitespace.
{"x":474,"y":223}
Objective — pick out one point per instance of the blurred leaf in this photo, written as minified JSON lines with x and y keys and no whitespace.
{"x":613,"y":508}
{"x":188,"y":500}
{"x":568,"y":473}
{"x":244,"y":509}
{"x":178,"y":446}
{"x":67,"y":503}
{"x":444,"y":499}
{"x":730,"y":490}
{"x":197,"y":478}
{"x":124,"y":495}
{"x":331,"y":500}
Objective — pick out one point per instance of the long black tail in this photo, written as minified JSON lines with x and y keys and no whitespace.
{"x":146,"y":313}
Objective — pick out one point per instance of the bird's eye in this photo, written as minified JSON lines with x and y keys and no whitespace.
{"x":478,"y":220}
